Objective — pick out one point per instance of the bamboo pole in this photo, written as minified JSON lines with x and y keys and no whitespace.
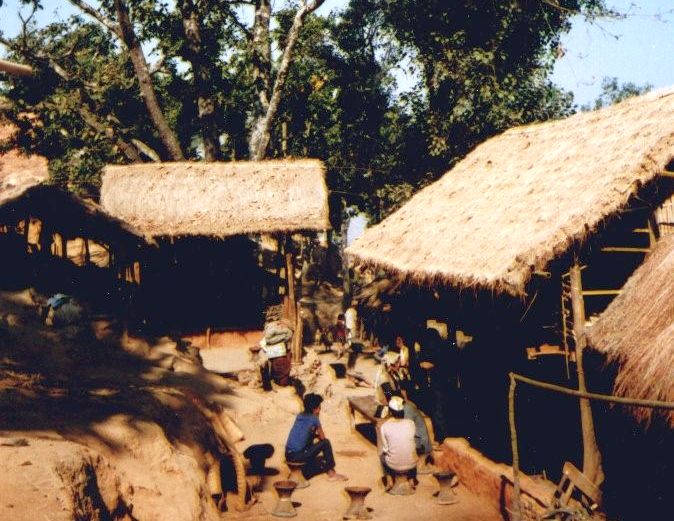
{"x":517,"y":504}
{"x":591,"y":456}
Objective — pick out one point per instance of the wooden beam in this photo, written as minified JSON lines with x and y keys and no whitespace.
{"x":600,"y":292}
{"x":15,"y":69}
{"x":624,"y":249}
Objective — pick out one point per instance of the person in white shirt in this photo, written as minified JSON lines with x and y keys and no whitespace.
{"x":398,"y":449}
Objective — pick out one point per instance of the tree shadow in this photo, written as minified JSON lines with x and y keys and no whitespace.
{"x":69,"y":381}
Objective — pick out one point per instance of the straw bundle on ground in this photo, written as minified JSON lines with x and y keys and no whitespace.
{"x":218,"y":199}
{"x":522,"y":198}
{"x":19,"y":172}
{"x":637,"y":331}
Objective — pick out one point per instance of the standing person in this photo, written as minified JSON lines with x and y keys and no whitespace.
{"x":398,"y":450}
{"x":387,"y":381}
{"x":301,"y":447}
{"x":351,"y":322}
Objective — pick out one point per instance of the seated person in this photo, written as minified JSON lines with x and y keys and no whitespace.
{"x":422,"y":440}
{"x":301,"y":447}
{"x":398,"y":450}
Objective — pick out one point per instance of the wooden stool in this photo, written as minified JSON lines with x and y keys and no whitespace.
{"x":401,"y":485}
{"x":357,"y":508}
{"x":446,"y":496}
{"x":295,"y":474}
{"x":284,"y":506}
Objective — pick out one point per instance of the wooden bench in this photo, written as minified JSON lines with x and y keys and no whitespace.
{"x":366,"y":406}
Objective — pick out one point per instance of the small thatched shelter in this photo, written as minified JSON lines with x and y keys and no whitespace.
{"x":637,"y":331}
{"x":190,"y":206}
{"x":525,"y":197}
{"x":218,"y":199}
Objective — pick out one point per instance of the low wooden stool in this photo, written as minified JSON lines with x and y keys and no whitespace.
{"x":446,"y":496}
{"x":401,"y":485}
{"x":357,"y":508}
{"x":295,"y":474}
{"x":284,"y":506}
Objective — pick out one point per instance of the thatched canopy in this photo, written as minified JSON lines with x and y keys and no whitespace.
{"x":25,"y":194}
{"x":71,"y":216}
{"x":637,"y":330}
{"x":218,"y":199}
{"x":522,"y":198}
{"x":19,"y":172}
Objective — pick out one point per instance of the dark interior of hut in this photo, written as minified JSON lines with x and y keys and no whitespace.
{"x":193,"y":283}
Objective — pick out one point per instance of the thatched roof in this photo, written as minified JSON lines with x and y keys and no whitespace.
{"x":637,"y":330}
{"x":218,"y":199}
{"x":19,"y":172}
{"x":24,"y":193}
{"x":522,"y":198}
{"x":72,"y":216}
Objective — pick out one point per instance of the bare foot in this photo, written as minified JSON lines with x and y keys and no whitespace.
{"x":337,"y":477}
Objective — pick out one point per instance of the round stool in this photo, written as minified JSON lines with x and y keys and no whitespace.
{"x":446,"y":496}
{"x":295,"y":474}
{"x":401,"y":485}
{"x":254,"y":353}
{"x":284,"y":506}
{"x":357,"y":508}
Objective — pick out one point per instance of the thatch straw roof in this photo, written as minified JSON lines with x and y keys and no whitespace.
{"x":218,"y":199}
{"x":522,"y":198}
{"x":637,"y":330}
{"x":19,"y":172}
{"x":24,"y":193}
{"x":72,"y":216}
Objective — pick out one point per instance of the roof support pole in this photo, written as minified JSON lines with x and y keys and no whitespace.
{"x":291,"y":297}
{"x":591,"y":456}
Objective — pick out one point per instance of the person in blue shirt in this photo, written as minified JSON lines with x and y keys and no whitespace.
{"x":301,"y":446}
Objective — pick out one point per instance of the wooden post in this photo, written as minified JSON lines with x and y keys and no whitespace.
{"x":290,"y":279}
{"x":591,"y":456}
{"x":64,"y":246}
{"x":297,"y":337}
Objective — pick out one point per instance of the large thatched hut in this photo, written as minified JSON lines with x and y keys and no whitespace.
{"x":531,"y":230}
{"x":636,"y":332}
{"x":525,"y":197}
{"x":191,"y":207}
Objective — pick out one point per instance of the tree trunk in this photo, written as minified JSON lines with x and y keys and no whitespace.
{"x":147,"y":92}
{"x":261,"y":133}
{"x":203,"y":81}
{"x":591,"y":456}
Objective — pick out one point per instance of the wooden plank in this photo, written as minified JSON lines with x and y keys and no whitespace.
{"x":600,"y":292}
{"x":624,"y":249}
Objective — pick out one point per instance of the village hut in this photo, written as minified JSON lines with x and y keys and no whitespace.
{"x":525,"y":197}
{"x":48,"y":230}
{"x":636,"y":332}
{"x":177,"y":202}
{"x":527,"y":230}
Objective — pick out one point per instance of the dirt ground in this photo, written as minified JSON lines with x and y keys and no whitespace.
{"x":267,"y":418}
{"x":95,"y":425}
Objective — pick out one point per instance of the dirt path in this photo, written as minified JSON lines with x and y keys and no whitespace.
{"x":267,"y":418}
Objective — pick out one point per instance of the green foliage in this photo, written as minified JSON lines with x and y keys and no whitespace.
{"x":483,"y":66}
{"x":613,"y":92}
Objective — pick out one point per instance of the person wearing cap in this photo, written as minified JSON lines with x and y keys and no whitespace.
{"x":301,"y":447}
{"x":398,"y":448}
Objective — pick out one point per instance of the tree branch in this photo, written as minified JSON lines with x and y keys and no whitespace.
{"x":262,"y":132}
{"x":96,"y":14}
